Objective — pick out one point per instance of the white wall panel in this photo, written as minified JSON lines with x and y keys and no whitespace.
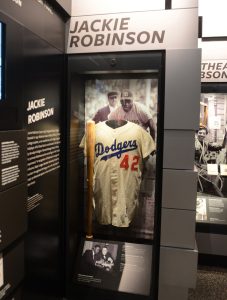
{"x":214,"y":17}
{"x":184,"y":3}
{"x":88,"y":7}
{"x":213,"y":49}
{"x":96,"y":33}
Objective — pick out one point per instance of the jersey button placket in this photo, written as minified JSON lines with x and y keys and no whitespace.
{"x":114,"y":184}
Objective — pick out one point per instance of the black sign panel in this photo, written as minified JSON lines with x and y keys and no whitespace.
{"x":211,"y":209}
{"x":33,"y":89}
{"x":12,"y":158}
{"x":42,"y":118}
{"x":13,"y":214}
{"x":117,"y":266}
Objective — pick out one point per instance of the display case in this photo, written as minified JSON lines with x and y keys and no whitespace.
{"x":211,"y":164}
{"x":115,"y":166}
{"x":210,"y":159}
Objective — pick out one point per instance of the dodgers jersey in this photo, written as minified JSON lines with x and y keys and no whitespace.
{"x":119,"y":154}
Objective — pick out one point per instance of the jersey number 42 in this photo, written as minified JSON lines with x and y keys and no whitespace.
{"x":130,"y":162}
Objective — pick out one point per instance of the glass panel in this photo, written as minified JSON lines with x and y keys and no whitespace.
{"x":211,"y":159}
{"x":125,"y":116}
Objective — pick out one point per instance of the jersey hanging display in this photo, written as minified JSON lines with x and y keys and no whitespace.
{"x":120,"y":150}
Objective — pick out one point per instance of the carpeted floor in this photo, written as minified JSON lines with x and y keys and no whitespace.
{"x":211,"y":284}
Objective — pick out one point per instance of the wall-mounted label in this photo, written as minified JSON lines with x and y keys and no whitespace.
{"x":43,"y":155}
{"x":214,"y":71}
{"x":10,"y":151}
{"x":223,"y":169}
{"x":12,"y":158}
{"x":166,"y":29}
{"x":1,"y":271}
{"x":215,"y":122}
{"x":212,"y":169}
{"x":43,"y":148}
{"x":126,"y":267}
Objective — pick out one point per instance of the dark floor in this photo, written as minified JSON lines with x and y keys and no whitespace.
{"x":211,"y":284}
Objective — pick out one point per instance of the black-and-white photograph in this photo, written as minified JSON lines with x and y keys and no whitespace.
{"x":99,"y":264}
{"x":134,"y":100}
{"x":98,"y":256}
{"x":125,"y":114}
{"x":211,"y":157}
{"x":115,"y":265}
{"x":201,"y":209}
{"x":211,"y":146}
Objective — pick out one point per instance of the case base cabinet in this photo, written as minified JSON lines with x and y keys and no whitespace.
{"x":172,"y":292}
{"x":210,"y":243}
{"x":178,"y":253}
{"x":178,"y":269}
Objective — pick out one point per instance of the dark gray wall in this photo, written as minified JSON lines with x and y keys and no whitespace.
{"x":34,"y":69}
{"x":66,"y":4}
{"x":40,"y":18}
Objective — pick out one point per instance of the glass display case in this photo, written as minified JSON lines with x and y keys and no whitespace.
{"x":211,"y":159}
{"x":116,"y":120}
{"x":211,"y":164}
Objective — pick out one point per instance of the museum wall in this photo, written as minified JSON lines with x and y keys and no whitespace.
{"x":31,"y":146}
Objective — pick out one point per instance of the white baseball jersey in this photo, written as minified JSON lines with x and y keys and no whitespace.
{"x":118,"y":168}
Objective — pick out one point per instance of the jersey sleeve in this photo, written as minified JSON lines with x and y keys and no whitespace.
{"x":147,"y":143}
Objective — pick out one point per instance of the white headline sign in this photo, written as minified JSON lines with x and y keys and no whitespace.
{"x":214,"y":70}
{"x":150,"y":30}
